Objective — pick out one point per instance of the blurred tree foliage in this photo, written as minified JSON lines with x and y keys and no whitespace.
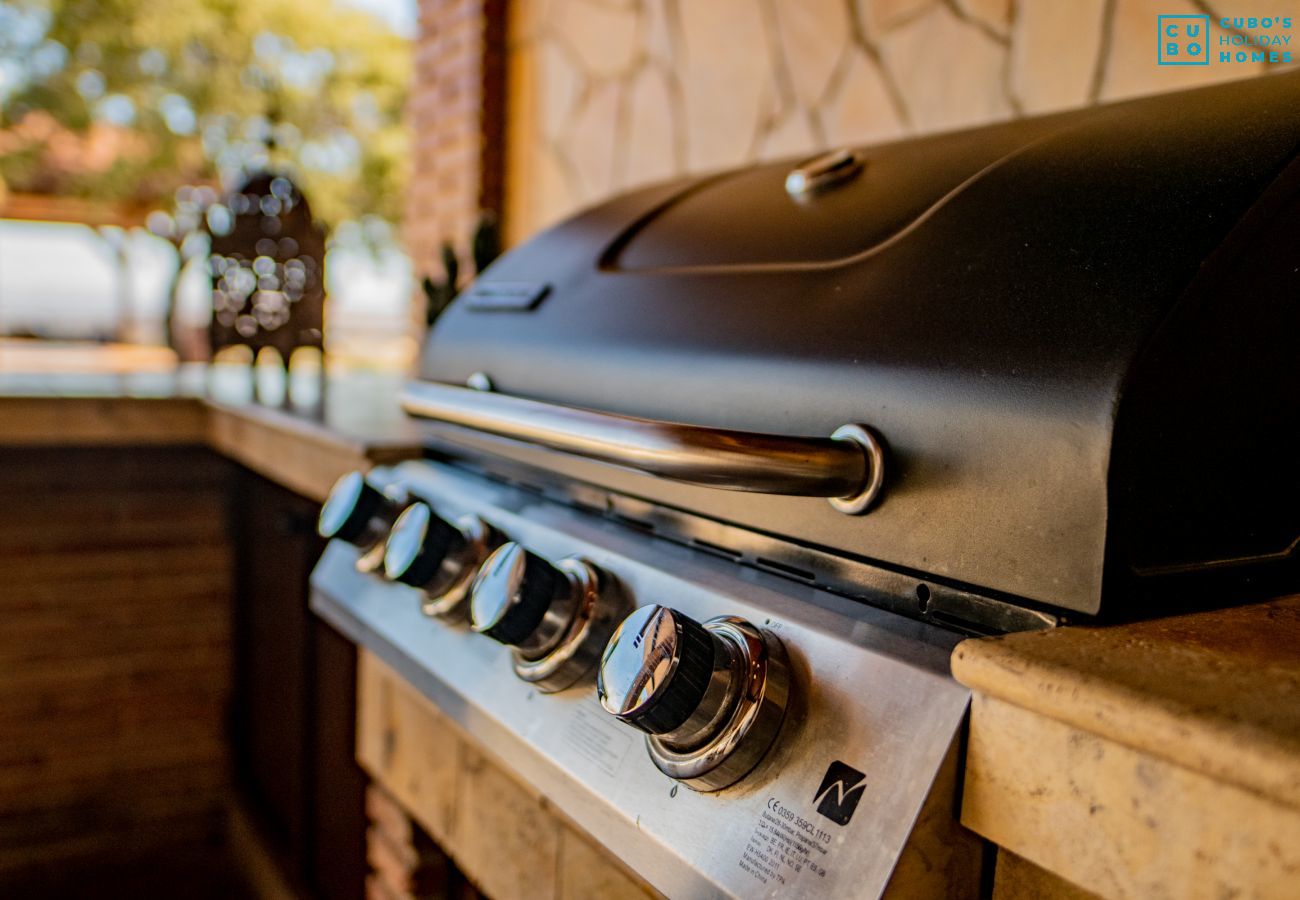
{"x":132,"y":99}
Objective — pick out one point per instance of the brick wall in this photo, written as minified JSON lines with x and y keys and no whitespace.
{"x":455,"y":111}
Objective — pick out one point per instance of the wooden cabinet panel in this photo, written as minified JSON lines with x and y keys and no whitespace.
{"x":295,"y":702}
{"x":115,"y":591}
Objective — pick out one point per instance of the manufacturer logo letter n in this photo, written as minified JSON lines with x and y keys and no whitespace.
{"x":841,"y":788}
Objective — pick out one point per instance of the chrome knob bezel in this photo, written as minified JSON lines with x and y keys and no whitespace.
{"x":596,"y":611}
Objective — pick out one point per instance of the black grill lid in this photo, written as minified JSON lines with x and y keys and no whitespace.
{"x":1076,"y":334}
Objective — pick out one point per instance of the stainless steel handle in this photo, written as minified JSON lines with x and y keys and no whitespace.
{"x":847,"y":467}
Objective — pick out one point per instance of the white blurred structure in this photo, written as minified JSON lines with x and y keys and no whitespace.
{"x":64,"y":282}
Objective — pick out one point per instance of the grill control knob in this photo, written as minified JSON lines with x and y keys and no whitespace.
{"x":522,"y":600}
{"x":711,"y":697}
{"x":556,"y":616}
{"x":659,"y":668}
{"x":440,"y":558}
{"x":356,"y":512}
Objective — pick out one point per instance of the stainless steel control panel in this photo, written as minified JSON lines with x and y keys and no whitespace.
{"x":852,"y":793}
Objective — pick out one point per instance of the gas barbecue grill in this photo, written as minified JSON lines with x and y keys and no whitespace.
{"x":720,"y":470}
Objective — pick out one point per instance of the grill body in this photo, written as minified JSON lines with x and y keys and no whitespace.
{"x":1076,"y":335}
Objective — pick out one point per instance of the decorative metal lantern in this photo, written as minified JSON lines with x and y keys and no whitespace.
{"x":268,"y":269}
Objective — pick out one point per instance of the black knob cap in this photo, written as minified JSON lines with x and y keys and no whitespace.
{"x":350,"y":510}
{"x":656,"y":669}
{"x":420,"y":547}
{"x":513,"y":594}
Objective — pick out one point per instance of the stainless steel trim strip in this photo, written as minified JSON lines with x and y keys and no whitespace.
{"x":848,"y":467}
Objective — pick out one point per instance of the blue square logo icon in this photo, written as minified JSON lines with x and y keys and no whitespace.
{"x":1183,"y":40}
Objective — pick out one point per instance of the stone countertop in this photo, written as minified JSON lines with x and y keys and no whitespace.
{"x":1216,"y":692}
{"x":301,"y":430}
{"x":1148,"y":759}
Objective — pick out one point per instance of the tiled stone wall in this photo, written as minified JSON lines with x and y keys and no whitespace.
{"x":608,"y":94}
